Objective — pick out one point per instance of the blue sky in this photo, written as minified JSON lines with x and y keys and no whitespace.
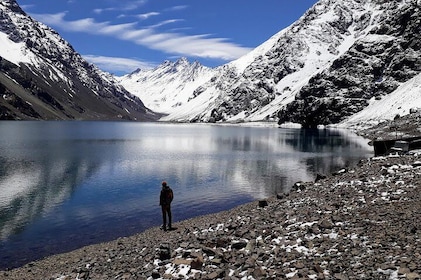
{"x":121,"y":35}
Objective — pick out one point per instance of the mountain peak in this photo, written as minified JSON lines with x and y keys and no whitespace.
{"x":42,"y":77}
{"x":169,"y":85}
{"x":326,"y":66}
{"x":11,"y":4}
{"x":182,"y":60}
{"x":180,"y":65}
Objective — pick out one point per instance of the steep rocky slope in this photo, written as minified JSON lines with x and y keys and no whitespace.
{"x":373,"y":67}
{"x":330,"y":64}
{"x":43,"y":77}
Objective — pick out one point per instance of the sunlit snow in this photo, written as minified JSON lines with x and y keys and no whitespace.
{"x":13,"y":52}
{"x":401,"y":101}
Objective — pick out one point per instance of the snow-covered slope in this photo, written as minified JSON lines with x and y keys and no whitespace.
{"x":14,"y":51}
{"x":42,"y":77}
{"x":320,"y":70}
{"x":169,"y":85}
{"x":375,"y":65}
{"x":403,"y":101}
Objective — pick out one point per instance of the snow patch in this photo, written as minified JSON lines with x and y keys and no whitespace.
{"x":14,"y":52}
{"x":401,"y":101}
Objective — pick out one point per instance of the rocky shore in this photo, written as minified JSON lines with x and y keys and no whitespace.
{"x":359,"y":223}
{"x":363,"y":222}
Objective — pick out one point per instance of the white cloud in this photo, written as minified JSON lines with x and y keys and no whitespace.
{"x":199,"y":46}
{"x":118,"y":64}
{"x":26,"y":7}
{"x":114,"y":29}
{"x":165,"y":22}
{"x":148,"y":15}
{"x":132,"y":5}
{"x":100,"y":11}
{"x":133,"y":35}
{"x":177,"y":8}
{"x":202,"y":45}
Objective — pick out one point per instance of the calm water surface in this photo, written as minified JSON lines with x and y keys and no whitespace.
{"x":68,"y":184}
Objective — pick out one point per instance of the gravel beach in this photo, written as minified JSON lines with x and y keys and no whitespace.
{"x":363,"y":222}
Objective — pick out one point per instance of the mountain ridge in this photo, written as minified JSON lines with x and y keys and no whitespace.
{"x":278,"y":80}
{"x":373,"y":67}
{"x":168,"y":85}
{"x":43,"y":78}
{"x":337,"y":60}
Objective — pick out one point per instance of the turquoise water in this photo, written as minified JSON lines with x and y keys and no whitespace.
{"x":68,"y":184}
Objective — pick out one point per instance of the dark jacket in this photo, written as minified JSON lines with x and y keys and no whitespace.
{"x":166,"y":196}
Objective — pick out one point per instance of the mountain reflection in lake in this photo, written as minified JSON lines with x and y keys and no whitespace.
{"x":68,"y":184}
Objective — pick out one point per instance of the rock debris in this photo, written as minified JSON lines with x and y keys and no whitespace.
{"x":360,"y":223}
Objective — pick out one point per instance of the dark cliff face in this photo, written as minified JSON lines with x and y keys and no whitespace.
{"x":321,"y":69}
{"x":58,"y":84}
{"x":373,"y":67}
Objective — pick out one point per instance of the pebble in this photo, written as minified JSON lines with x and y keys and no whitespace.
{"x":361,"y":223}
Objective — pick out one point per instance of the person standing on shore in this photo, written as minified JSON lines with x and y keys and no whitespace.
{"x":165,"y":200}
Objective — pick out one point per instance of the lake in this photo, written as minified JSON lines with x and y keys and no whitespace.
{"x":68,"y":184}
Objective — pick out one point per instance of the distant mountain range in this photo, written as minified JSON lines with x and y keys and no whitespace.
{"x":337,"y":59}
{"x":168,"y":86}
{"x":43,"y":78}
{"x":344,"y":62}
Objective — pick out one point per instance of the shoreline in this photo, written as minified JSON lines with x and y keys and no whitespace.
{"x":14,"y":252}
{"x":361,"y":222}
{"x":211,"y":244}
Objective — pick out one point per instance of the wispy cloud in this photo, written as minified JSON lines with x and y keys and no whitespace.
{"x":118,"y":64}
{"x":101,"y":10}
{"x":177,"y":8}
{"x":203,"y":45}
{"x":179,"y":29}
{"x":26,"y":7}
{"x":165,"y":22}
{"x":131,"y":6}
{"x":148,"y":15}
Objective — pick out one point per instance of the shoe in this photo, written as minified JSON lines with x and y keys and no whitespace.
{"x":163,"y":228}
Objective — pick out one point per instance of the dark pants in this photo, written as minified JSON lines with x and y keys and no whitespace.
{"x":166,"y":210}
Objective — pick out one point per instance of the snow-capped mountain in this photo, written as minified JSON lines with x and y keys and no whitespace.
{"x":330,"y":64}
{"x":381,"y":59}
{"x":42,"y":77}
{"x":169,"y":85}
